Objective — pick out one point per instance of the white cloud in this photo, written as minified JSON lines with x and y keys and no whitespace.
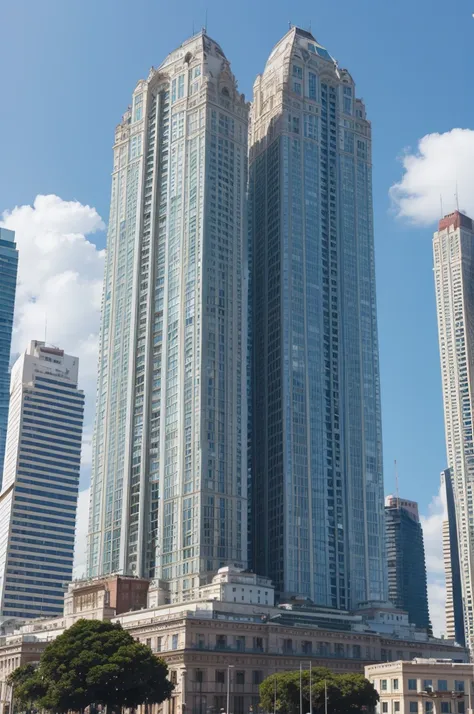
{"x":441,"y":162}
{"x":60,"y":275}
{"x":432,"y":531}
{"x":81,"y":534}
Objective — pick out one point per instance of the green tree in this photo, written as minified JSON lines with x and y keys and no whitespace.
{"x":26,"y":689}
{"x":97,"y":662}
{"x":345,"y":693}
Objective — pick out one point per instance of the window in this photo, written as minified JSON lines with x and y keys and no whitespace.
{"x":312,"y":85}
{"x":427,"y":685}
{"x":238,"y":705}
{"x":220,"y":676}
{"x":181,"y":86}
{"x":257,"y":676}
{"x":307,"y":647}
{"x":413,"y":707}
{"x":297,"y":71}
{"x":459,"y":685}
{"x":201,"y":642}
{"x":461,"y":708}
{"x":287,"y":645}
{"x":148,"y":642}
{"x":412,"y":685}
{"x":174,"y":642}
{"x":240,"y":677}
{"x":384,"y":707}
{"x":445,"y":707}
{"x":297,"y":88}
{"x":196,"y":72}
{"x":296,"y":125}
{"x":138,"y":107}
{"x":258,"y":644}
{"x":159,"y":641}
{"x":429,"y":707}
{"x":173,"y":676}
{"x":383,"y":685}
{"x":396,"y":706}
{"x":240,"y":643}
{"x":221,"y":642}
{"x":442,"y":685}
{"x":395,"y":684}
{"x":199,"y":676}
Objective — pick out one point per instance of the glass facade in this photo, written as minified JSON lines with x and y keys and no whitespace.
{"x":169,"y":475}
{"x":317,"y":517}
{"x":38,"y":501}
{"x":8,"y":274}
{"x":407,"y":585}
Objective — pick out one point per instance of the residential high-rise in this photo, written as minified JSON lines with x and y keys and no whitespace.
{"x":453,"y":247}
{"x":169,"y":474}
{"x":454,"y":607}
{"x":407,"y":584}
{"x":38,"y":501}
{"x":8,"y":273}
{"x":317,"y":483}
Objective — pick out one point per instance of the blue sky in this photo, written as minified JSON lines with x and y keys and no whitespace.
{"x":67,"y":71}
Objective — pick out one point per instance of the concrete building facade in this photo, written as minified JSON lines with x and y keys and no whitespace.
{"x":220,"y":636}
{"x":422,"y":686}
{"x":453,"y":248}
{"x":38,"y":500}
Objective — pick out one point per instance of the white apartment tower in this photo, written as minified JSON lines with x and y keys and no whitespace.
{"x":168,"y":495}
{"x":453,"y":246}
{"x":38,"y":501}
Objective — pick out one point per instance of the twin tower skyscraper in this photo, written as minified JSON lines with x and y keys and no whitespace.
{"x":238,"y":403}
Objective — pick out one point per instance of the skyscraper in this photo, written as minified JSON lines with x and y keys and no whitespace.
{"x":38,"y":501}
{"x":453,"y":247}
{"x":407,"y":585}
{"x":454,"y":607}
{"x":8,"y":273}
{"x":317,"y":484}
{"x":169,"y":490}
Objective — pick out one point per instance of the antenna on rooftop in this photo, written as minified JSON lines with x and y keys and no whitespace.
{"x":457,"y":196}
{"x":397,"y":493}
{"x":441,"y":204}
{"x":289,"y":25}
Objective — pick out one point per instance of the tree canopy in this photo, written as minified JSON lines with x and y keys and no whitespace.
{"x":93,"y":662}
{"x":345,"y":692}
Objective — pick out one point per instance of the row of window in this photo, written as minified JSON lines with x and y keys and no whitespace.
{"x":442,"y":685}
{"x":415,"y":708}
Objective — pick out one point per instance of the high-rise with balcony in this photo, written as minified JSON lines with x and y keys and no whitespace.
{"x":169,"y":484}
{"x":407,"y":584}
{"x":453,"y":247}
{"x":8,"y":274}
{"x":317,"y":483}
{"x":38,"y":500}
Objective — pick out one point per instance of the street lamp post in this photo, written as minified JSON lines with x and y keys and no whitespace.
{"x":301,"y":688}
{"x":229,"y":667}
{"x":183,"y":691}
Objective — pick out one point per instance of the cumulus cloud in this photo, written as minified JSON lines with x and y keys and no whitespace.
{"x":60,"y":275}
{"x":432,"y":524}
{"x":441,"y":165}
